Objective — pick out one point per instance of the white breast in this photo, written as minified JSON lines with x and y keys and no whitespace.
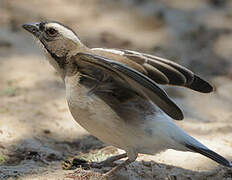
{"x":92,"y":113}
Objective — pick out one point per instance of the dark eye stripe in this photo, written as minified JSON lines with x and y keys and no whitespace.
{"x":42,"y":26}
{"x":51,"y":32}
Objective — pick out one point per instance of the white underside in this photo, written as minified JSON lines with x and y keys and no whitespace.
{"x":151,"y":135}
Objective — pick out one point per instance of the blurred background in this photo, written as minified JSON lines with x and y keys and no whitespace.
{"x":37,"y":131}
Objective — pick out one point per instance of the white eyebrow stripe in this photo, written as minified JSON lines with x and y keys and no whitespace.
{"x":115,"y":51}
{"x":64,"y":31}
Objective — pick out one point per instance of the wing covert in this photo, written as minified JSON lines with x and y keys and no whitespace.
{"x":136,"y":81}
{"x":164,"y":71}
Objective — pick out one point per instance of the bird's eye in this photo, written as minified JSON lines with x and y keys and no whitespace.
{"x":51,"y":32}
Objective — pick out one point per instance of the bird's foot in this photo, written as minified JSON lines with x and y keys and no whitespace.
{"x":113,"y":171}
{"x":109,"y":162}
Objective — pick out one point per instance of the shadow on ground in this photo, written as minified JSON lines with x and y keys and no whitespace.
{"x":37,"y":132}
{"x":49,"y":154}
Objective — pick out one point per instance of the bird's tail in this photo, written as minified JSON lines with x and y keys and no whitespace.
{"x":209,"y":153}
{"x":195,"y":146}
{"x":189,"y":143}
{"x":180,"y":140}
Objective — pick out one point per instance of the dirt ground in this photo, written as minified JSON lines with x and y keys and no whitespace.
{"x":37,"y":132}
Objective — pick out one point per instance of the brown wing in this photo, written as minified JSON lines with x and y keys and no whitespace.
{"x":134,"y":79}
{"x":165,"y":72}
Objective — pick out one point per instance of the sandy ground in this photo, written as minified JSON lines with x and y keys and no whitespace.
{"x":37,"y":132}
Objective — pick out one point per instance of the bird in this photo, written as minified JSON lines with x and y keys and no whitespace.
{"x":116,"y":94}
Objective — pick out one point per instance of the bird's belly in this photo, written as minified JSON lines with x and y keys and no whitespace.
{"x":98,"y":119}
{"x":126,"y":130}
{"x":101,"y":121}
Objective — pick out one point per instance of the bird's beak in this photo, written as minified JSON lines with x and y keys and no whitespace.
{"x":32,"y":28}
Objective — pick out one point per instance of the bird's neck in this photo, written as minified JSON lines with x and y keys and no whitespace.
{"x":63,"y":64}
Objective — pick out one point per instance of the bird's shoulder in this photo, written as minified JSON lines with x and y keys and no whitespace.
{"x":118,"y":56}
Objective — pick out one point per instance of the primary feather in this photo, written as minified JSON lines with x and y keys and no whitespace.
{"x":164,"y":71}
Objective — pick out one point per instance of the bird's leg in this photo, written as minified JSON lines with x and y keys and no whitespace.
{"x":131,"y":154}
{"x":117,"y":168}
{"x":109,"y":161}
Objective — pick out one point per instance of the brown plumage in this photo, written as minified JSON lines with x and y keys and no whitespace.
{"x":114,"y":94}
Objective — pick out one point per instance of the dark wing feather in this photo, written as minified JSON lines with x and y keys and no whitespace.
{"x":171,"y":73}
{"x":136,"y":80}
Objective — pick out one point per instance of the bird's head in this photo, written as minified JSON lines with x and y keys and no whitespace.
{"x":58,"y":40}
